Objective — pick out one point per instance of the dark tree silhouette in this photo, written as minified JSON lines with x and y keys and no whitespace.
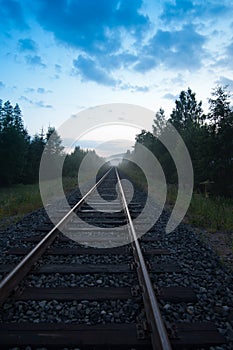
{"x":14,"y":141}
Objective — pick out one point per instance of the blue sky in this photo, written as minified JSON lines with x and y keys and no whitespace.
{"x":60,"y":57}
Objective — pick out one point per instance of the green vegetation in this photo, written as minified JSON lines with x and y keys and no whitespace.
{"x":20,"y":199}
{"x":213,"y":214}
{"x":209,"y":140}
{"x":20,"y":154}
{"x":208,"y":137}
{"x":20,"y":157}
{"x":210,"y":213}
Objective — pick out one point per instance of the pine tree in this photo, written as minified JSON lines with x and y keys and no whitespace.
{"x":221,"y":129}
{"x":7,"y":115}
{"x":187,"y":111}
{"x":13,"y":144}
{"x":53,"y":155}
{"x":53,"y":142}
{"x":35,"y":150}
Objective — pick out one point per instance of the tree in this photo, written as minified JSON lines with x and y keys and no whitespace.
{"x":221,"y":129}
{"x":35,"y":150}
{"x":7,"y":115}
{"x":209,"y":139}
{"x":153,"y":143}
{"x":73,"y":161}
{"x":13,"y":144}
{"x":190,"y":121}
{"x":159,"y":122}
{"x":53,"y":142}
{"x":1,"y":118}
{"x":17,"y":118}
{"x":219,"y":107}
{"x":187,"y":111}
{"x":53,"y":155}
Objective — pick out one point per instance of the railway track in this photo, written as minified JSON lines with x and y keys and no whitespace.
{"x":96,"y":298}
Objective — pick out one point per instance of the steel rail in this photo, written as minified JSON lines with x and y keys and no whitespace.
{"x":159,"y":337}
{"x":8,"y":284}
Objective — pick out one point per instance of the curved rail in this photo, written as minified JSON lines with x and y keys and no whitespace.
{"x":11,"y":281}
{"x":159,"y":337}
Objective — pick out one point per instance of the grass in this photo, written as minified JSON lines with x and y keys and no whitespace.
{"x":18,"y":200}
{"x":213,"y":213}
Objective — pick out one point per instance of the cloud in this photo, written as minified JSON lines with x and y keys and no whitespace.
{"x":92,"y":25}
{"x":169,"y":96}
{"x":2,"y":85}
{"x":89,"y":70}
{"x":139,"y":88}
{"x":58,"y":68}
{"x":134,"y":88}
{"x":35,"y":61}
{"x":229,"y":49}
{"x":98,"y":30}
{"x":114,"y":147}
{"x":145,"y":63}
{"x":39,"y":104}
{"x":55,"y":77}
{"x":29,"y":90}
{"x":117,"y":61}
{"x":175,"y":49}
{"x":225,"y":60}
{"x":103,"y":148}
{"x":111,"y":37}
{"x":41,"y":90}
{"x":90,"y":144}
{"x":180,"y":9}
{"x":81,"y":107}
{"x":223,"y":81}
{"x":26,"y":99}
{"x":27,"y":45}
{"x":187,"y":11}
{"x":11,"y":14}
{"x":178,"y":80}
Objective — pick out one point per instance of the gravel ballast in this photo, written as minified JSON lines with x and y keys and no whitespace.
{"x":201,"y":269}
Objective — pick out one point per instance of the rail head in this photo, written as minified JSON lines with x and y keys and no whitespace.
{"x":159,"y":335}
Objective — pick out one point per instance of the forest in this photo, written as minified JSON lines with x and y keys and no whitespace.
{"x":208,"y":137}
{"x":20,"y":153}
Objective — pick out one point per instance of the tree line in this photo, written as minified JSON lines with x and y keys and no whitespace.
{"x":208,"y":137}
{"x":20,"y":153}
